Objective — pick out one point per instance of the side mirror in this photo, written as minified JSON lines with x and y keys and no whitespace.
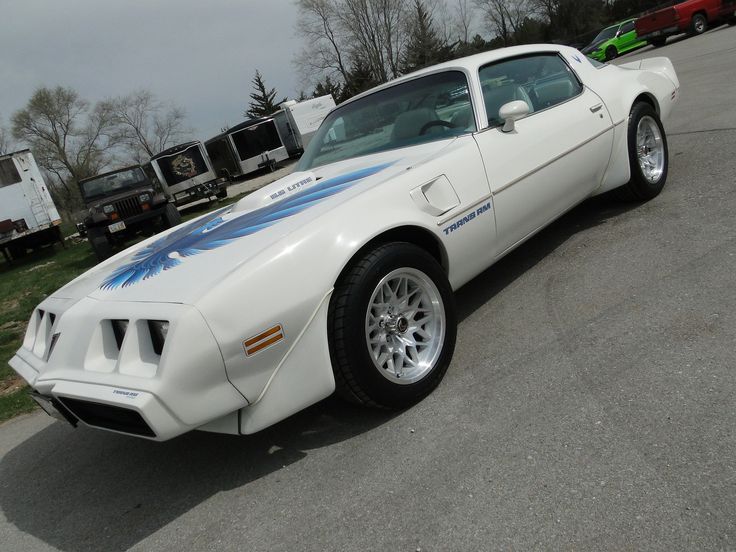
{"x":511,"y":112}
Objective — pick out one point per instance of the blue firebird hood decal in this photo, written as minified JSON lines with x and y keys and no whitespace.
{"x":213,"y":231}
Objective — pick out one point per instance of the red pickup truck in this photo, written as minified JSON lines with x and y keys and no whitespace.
{"x":691,"y":16}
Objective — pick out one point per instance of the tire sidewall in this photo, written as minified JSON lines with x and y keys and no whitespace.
{"x":694,"y":23}
{"x":611,"y":53}
{"x":379,"y":388}
{"x":644,"y":188}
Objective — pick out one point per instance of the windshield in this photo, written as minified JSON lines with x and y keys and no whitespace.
{"x":435,"y":107}
{"x":113,"y":183}
{"x":605,"y":34}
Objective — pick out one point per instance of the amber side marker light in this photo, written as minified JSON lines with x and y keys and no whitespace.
{"x":257,"y":343}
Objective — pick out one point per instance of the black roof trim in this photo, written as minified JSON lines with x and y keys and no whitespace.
{"x":175,"y":149}
{"x":241,"y":126}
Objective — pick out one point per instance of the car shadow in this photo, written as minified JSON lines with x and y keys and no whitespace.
{"x":485,"y":286}
{"x":88,"y":490}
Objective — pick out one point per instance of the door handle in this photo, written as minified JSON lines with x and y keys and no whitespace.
{"x":595,"y":108}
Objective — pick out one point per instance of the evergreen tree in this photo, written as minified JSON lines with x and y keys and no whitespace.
{"x":262,"y":100}
{"x":360,"y":77}
{"x":425,"y":47}
{"x":327,"y":87}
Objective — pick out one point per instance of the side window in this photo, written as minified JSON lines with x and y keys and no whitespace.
{"x":541,"y":81}
{"x":8,"y":173}
{"x":627,"y":27}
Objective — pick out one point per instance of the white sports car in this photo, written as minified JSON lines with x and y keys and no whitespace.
{"x":340,"y":276}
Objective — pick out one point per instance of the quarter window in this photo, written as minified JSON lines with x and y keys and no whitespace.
{"x":541,"y":81}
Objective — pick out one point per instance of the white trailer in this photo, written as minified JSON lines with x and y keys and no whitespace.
{"x":28,"y":216}
{"x":305,"y":117}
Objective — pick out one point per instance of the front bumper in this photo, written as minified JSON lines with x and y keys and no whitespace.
{"x":71,"y":354}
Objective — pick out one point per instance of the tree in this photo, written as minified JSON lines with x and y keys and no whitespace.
{"x":343,"y":34}
{"x":70,"y":138}
{"x":6,"y":146}
{"x":327,"y":87}
{"x":146,"y":126}
{"x":506,"y":16}
{"x":424,"y":47}
{"x":262,"y":100}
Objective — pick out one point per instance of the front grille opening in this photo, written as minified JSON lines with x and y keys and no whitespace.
{"x":54,"y":339}
{"x":128,"y":207}
{"x":107,"y":416}
{"x":158,"y":330}
{"x":119,"y":328}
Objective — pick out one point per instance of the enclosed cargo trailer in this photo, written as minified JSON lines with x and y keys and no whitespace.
{"x":28,"y":216}
{"x":247,"y":147}
{"x":185,"y":173}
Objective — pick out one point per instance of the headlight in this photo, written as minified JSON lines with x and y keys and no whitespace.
{"x":143,"y":198}
{"x":107,"y":209}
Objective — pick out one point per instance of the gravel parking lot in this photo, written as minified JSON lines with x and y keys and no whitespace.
{"x":589,"y":406}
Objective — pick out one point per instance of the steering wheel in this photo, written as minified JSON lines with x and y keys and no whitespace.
{"x":438,"y":122}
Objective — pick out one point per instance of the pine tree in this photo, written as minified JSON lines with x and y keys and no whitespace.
{"x":327,"y":87}
{"x":262,"y":100}
{"x":425,"y":47}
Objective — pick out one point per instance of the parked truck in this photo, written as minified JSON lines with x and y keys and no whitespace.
{"x":28,"y":216}
{"x":245,"y":148}
{"x":691,"y":16}
{"x":122,"y":204}
{"x":186,"y":174}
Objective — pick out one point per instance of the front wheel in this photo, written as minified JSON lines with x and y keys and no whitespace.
{"x":392,"y":327}
{"x":171,"y":216}
{"x":611,"y":53}
{"x":648,"y":155}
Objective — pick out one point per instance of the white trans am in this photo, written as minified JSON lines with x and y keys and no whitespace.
{"x":340,"y":276}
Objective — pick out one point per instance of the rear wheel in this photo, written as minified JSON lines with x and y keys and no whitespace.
{"x":699,"y":24}
{"x":171,"y":216}
{"x":611,"y":53}
{"x":392,"y":327}
{"x":648,"y":155}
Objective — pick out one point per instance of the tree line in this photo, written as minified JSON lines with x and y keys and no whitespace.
{"x":353,"y":45}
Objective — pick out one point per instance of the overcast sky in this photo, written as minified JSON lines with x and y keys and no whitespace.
{"x":202,"y":54}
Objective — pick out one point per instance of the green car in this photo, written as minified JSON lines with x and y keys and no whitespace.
{"x":613,"y":41}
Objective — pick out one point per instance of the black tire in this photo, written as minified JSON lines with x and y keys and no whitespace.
{"x":658,"y":42}
{"x":611,"y":52}
{"x":99,"y":242}
{"x":171,"y":216}
{"x":698,"y":24}
{"x":639,"y":187}
{"x":17,"y":251}
{"x":358,"y":379}
{"x":222,"y":194}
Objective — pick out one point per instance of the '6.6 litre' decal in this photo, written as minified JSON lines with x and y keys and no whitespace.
{"x":459,"y":223}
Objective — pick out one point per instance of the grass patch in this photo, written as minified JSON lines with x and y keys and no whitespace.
{"x":15,"y":403}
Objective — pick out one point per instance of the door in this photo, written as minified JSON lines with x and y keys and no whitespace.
{"x":555,"y":157}
{"x":627,"y":37}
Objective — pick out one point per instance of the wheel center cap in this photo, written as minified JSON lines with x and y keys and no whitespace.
{"x":402,"y":324}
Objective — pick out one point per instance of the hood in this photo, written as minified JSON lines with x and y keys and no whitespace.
{"x":181,"y":265}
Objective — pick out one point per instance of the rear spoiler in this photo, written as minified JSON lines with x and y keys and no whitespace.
{"x":661,"y":65}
